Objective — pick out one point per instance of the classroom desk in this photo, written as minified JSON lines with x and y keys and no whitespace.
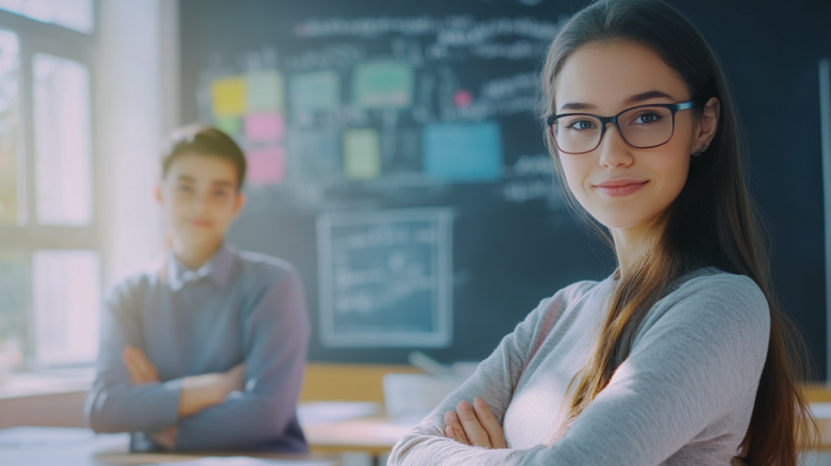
{"x":375,"y":435}
{"x":112,"y":450}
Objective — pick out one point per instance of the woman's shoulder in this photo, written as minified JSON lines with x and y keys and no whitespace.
{"x":711,"y":292}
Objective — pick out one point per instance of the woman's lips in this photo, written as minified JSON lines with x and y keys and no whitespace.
{"x":620,"y":188}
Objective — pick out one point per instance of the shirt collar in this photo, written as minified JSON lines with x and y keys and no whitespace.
{"x":218,"y":269}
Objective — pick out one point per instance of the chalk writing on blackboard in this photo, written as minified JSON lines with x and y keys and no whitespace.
{"x":385,"y":278}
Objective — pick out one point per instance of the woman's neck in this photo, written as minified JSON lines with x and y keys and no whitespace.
{"x":630,"y":245}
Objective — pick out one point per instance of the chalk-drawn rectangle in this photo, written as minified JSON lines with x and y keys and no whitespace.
{"x":385,"y":278}
{"x":463,"y":151}
{"x":383,"y":84}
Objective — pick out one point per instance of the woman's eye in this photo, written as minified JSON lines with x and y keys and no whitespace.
{"x":220,"y":194}
{"x":648,"y":117}
{"x":581,"y":125}
{"x":185,"y":189}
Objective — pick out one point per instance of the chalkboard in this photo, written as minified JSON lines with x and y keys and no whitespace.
{"x":385,"y":278}
{"x":364,"y":110}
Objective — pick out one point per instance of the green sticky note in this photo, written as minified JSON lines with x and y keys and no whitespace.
{"x":383,"y":84}
{"x":361,"y":154}
{"x":265,"y":92}
{"x":315,"y":92}
{"x":228,"y":97}
{"x":229,"y":125}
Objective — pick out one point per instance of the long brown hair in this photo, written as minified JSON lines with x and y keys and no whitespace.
{"x":713,"y":222}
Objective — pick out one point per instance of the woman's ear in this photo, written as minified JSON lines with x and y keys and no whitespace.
{"x":158,"y":192}
{"x":707,"y":125}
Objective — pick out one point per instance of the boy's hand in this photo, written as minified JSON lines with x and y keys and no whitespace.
{"x":474,"y":425}
{"x":166,"y":438}
{"x":203,"y":391}
{"x":141,"y":370}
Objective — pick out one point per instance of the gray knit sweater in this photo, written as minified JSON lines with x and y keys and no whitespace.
{"x":684,"y":395}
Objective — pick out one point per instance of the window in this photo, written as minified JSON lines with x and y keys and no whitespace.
{"x":72,"y":14}
{"x":50,"y":279}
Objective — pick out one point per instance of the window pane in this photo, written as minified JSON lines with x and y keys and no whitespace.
{"x":11,"y":210}
{"x":65,"y":292}
{"x":62,"y":141}
{"x":73,"y":14}
{"x":14,"y":302}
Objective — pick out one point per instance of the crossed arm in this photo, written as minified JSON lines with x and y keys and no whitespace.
{"x":221,"y":410}
{"x":197,"y":393}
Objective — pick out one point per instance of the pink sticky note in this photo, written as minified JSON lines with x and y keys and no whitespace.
{"x":266,"y":126}
{"x":266,"y":165}
{"x":462,"y":98}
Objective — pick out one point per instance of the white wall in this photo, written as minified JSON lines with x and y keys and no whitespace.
{"x":136,"y":92}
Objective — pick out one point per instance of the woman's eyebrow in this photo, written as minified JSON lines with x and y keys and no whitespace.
{"x":631,"y":100}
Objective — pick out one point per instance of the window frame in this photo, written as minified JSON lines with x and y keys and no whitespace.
{"x":36,"y":37}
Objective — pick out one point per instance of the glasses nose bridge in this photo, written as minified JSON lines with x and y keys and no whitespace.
{"x":604,"y":123}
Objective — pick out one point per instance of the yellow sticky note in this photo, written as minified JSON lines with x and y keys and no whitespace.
{"x":361,"y":154}
{"x":228,"y":97}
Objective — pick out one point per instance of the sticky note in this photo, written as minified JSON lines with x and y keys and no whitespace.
{"x":264,"y":92}
{"x":315,"y":92}
{"x":463,"y":151}
{"x":266,"y":126}
{"x":266,"y":165}
{"x":229,"y":125}
{"x":383,"y":84}
{"x":361,"y":154}
{"x":228,"y":97}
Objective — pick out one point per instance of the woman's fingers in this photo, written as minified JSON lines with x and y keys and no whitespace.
{"x":489,"y":423}
{"x":473,"y":428}
{"x":454,"y":428}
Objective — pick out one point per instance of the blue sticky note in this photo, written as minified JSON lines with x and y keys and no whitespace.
{"x":317,"y":91}
{"x":463,"y":151}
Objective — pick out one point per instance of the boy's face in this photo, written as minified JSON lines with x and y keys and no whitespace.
{"x":200,"y":199}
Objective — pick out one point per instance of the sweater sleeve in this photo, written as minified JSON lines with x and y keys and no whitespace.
{"x":696,"y":363}
{"x":114,"y":404}
{"x":494,"y":380}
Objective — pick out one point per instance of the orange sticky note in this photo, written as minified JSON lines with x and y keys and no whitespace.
{"x":228,"y":97}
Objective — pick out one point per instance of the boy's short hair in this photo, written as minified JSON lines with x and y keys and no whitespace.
{"x":203,"y":140}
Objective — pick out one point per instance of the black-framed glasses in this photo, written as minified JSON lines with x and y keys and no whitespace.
{"x":642,"y":127}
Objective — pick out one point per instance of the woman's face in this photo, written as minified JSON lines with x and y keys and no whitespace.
{"x":620,"y":186}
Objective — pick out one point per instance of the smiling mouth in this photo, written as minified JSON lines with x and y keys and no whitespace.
{"x":620,"y":190}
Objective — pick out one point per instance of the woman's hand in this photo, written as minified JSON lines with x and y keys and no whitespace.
{"x":474,"y":425}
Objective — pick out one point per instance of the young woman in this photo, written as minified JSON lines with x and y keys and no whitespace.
{"x":681,"y":356}
{"x":205,"y":350}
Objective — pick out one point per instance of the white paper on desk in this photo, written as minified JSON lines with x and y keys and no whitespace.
{"x":32,"y":437}
{"x":333,"y":411}
{"x":246,"y":461}
{"x":821,"y":410}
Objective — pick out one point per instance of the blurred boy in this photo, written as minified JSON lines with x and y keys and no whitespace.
{"x":206,"y":350}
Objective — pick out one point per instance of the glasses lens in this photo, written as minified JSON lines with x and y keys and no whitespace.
{"x":576,"y":133}
{"x":646,"y":126}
